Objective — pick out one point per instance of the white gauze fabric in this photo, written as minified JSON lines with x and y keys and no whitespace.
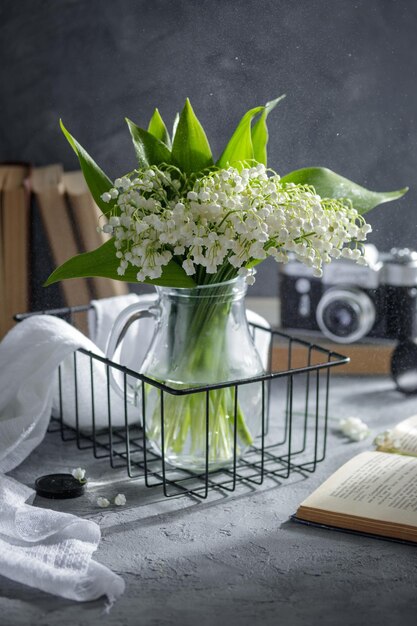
{"x":39,"y":547}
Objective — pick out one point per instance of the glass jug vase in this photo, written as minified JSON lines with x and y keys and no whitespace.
{"x":201,"y":338}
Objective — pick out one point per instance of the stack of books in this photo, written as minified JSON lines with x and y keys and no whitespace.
{"x":69,"y":217}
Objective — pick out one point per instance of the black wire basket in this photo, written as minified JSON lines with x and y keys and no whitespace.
{"x":295,"y":406}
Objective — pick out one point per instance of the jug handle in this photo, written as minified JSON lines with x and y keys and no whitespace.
{"x":124,"y":320}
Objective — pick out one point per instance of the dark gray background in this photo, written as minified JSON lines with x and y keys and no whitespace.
{"x":348,"y":67}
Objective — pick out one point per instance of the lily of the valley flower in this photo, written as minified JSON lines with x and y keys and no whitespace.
{"x":354,"y":428}
{"x":103,"y":503}
{"x":228,"y":221}
{"x":79,"y":474}
{"x":119,"y":500}
{"x":386,"y":442}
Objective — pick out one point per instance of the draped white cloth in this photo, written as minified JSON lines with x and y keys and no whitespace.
{"x":39,"y":547}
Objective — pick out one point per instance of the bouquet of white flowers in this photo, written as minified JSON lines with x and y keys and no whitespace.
{"x":229,"y":221}
{"x":182,"y":221}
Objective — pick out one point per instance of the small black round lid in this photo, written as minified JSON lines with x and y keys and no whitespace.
{"x":58,"y":486}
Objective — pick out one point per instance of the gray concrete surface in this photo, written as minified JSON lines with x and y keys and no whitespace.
{"x":236,"y":559}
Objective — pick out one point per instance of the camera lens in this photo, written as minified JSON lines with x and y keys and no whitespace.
{"x":341,"y":318}
{"x":345,"y":315}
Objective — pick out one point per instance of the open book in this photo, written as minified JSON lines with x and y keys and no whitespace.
{"x":375,"y":492}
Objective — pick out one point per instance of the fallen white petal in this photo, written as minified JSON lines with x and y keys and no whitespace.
{"x":354,"y":428}
{"x":120,"y":499}
{"x":103,"y":502}
{"x":78,"y":473}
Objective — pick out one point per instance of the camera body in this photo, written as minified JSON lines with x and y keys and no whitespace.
{"x":353,"y":301}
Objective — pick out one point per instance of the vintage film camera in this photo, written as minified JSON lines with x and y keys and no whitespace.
{"x":352,"y":301}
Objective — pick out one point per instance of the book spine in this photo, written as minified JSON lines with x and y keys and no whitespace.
{"x":49,"y":193}
{"x":16,"y":251}
{"x":14,"y":244}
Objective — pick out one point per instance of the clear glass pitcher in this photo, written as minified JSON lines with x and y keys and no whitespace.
{"x":201,"y":337}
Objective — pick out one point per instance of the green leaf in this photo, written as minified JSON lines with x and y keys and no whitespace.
{"x":190,"y":149}
{"x":240,"y":147}
{"x":175,"y":126}
{"x":158,"y":129}
{"x":149,"y":150}
{"x":98,"y":182}
{"x":328,"y":184}
{"x":260,"y":132}
{"x":103,"y":262}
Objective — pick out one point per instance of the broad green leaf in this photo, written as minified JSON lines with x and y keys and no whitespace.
{"x":190,"y":149}
{"x":328,"y":184}
{"x":158,"y":129}
{"x":98,"y":182}
{"x":103,"y":262}
{"x":260,"y":132}
{"x":149,"y":150}
{"x":240,"y":147}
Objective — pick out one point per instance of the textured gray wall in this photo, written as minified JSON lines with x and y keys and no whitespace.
{"x":349,"y":69}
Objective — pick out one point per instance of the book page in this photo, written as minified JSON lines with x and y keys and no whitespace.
{"x":374,"y":485}
{"x":406,"y":434}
